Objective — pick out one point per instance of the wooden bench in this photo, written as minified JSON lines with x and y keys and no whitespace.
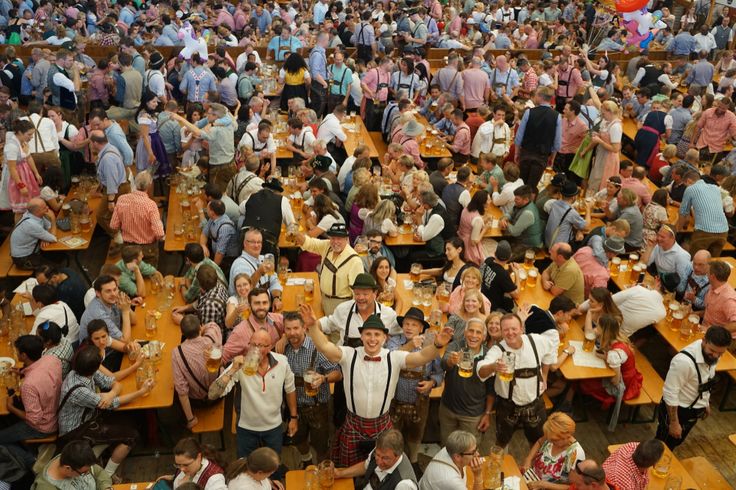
{"x":378,"y":142}
{"x":651,"y":389}
{"x":731,"y":377}
{"x":211,"y":419}
{"x":729,"y":247}
{"x":6,"y":262}
{"x":704,"y":474}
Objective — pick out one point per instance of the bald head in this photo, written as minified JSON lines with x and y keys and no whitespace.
{"x":260,"y":337}
{"x":561,"y":252}
{"x":588,"y":475}
{"x":37,"y":206}
{"x":700,"y":262}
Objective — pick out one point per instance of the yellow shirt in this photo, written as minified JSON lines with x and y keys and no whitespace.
{"x":570,"y":278}
{"x":348,"y":265}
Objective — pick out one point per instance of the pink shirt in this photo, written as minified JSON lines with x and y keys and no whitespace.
{"x":40,"y":393}
{"x":531,"y":81}
{"x":371,"y":80}
{"x":455,"y":303}
{"x":639,"y":188}
{"x":720,"y":306}
{"x":569,"y":83}
{"x":476,"y":83}
{"x":594,"y":274}
{"x":572,"y":135}
{"x":461,"y":142}
{"x":240,"y":19}
{"x":224,"y":17}
{"x":716,"y":130}
{"x":240,"y":338}
{"x":411,"y":147}
{"x":194,"y":350}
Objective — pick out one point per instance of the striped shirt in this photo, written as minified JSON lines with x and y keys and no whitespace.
{"x":193,"y":350}
{"x":82,"y":404}
{"x":705,"y":201}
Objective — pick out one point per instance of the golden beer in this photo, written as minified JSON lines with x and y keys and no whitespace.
{"x":213,"y":361}
{"x":589,"y":342}
{"x":615,"y":264}
{"x":529,"y":259}
{"x":310,"y":390}
{"x":531,"y":279}
{"x":677,"y":317}
{"x":250,"y":369}
{"x":84,"y":223}
{"x":506,"y":376}
{"x":151,"y":327}
{"x":465,"y":369}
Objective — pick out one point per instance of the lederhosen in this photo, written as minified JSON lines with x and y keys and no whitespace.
{"x":505,"y":85}
{"x":364,"y":51}
{"x":286,"y":51}
{"x":296,"y":160}
{"x":257,"y":149}
{"x":560,"y":100}
{"x":356,"y":437}
{"x":408,"y":86}
{"x":374,"y":109}
{"x":235,"y":192}
{"x":410,"y":412}
{"x":509,"y":415}
{"x":687,"y":416}
{"x":495,"y":141}
{"x":308,"y":410}
{"x":333,"y":100}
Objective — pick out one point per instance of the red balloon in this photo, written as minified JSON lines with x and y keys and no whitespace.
{"x":630,"y":5}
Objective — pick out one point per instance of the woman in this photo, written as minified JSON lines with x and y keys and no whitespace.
{"x":324,"y":214}
{"x":237,"y":307}
{"x":662,"y":162}
{"x":654,"y":216}
{"x":190,"y":144}
{"x":601,"y":73}
{"x":469,"y":279}
{"x":50,"y":192}
{"x":384,"y":275}
{"x":360,"y":176}
{"x":607,"y":142}
{"x":472,"y":308}
{"x":689,"y":19}
{"x":600,"y":302}
{"x":383,"y":218}
{"x":493,"y":324}
{"x":450,"y":273}
{"x":56,"y":344}
{"x":365,"y":201}
{"x":19,"y":171}
{"x":605,"y":200}
{"x":295,"y":79}
{"x":99,"y":336}
{"x":647,"y":139}
{"x":196,"y":463}
{"x":471,"y":227}
{"x":71,"y":163}
{"x":150,"y":151}
{"x":253,"y":472}
{"x":618,"y":353}
{"x":555,"y":455}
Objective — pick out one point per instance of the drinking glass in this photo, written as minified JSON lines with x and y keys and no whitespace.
{"x":252,"y":359}
{"x":326,"y":473}
{"x":269,"y":263}
{"x":309,"y":290}
{"x":415,"y":272}
{"x":674,"y":482}
{"x":465,"y":366}
{"x":662,"y":467}
{"x":589,"y":342}
{"x":509,"y":360}
{"x":214,"y":357}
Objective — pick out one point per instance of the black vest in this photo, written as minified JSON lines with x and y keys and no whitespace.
{"x":59,"y":95}
{"x":402,"y":472}
{"x":540,"y":130}
{"x":263,"y":211}
{"x":436,"y":245}
{"x":650,"y":78}
{"x":451,"y":196}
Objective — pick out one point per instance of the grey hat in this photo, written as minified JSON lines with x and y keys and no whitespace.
{"x":413,"y":128}
{"x":614,"y":244}
{"x":503,"y":251}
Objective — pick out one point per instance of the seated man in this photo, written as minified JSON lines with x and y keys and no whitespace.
{"x":447,"y":469}
{"x":194,"y":257}
{"x":552,"y":323}
{"x":75,"y":467}
{"x":50,"y":309}
{"x":210,"y":305}
{"x":192,"y":375}
{"x":698,"y":282}
{"x":133,"y":270}
{"x":70,"y":287}
{"x":628,"y":466}
{"x":112,"y":306}
{"x":37,"y":225}
{"x":668,"y":256}
{"x":588,"y":475}
{"x":386,"y":467}
{"x":618,"y":228}
{"x":563,"y":276}
{"x":522,"y":225}
{"x":219,"y":237}
{"x":595,"y":273}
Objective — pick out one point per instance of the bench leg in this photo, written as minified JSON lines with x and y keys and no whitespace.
{"x":723,"y":405}
{"x":635,"y":413}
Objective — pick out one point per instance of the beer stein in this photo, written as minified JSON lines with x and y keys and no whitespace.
{"x":252,"y":359}
{"x":309,"y":378}
{"x":589,"y":342}
{"x":465,"y":366}
{"x":326,"y":473}
{"x":214,"y":356}
{"x":509,"y":360}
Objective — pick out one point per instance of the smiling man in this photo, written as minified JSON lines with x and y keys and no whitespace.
{"x":260,"y":319}
{"x":386,"y":467}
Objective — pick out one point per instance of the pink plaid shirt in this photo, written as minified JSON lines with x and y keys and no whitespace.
{"x":136,"y":216}
{"x":193,"y":350}
{"x":40,"y":393}
{"x":622,"y":471}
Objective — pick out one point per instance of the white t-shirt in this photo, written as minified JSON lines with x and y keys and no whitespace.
{"x":56,"y":313}
{"x":244,"y":482}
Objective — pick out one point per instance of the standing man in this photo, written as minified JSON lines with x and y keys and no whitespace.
{"x":137,"y":218}
{"x":114,"y":183}
{"x":449,"y":80}
{"x":711,"y":226}
{"x":63,"y":81}
{"x":519,"y":402}
{"x":341,"y":79}
{"x":477,"y":85}
{"x":538,"y":138}
{"x":266,"y":210}
{"x":198,"y":82}
{"x":364,"y":38}
{"x":131,"y":98}
{"x":686,"y":392}
{"x":371,"y":374}
{"x":318,"y":72}
{"x":569,"y":83}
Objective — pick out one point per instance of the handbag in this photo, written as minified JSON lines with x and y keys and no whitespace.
{"x":580,"y":165}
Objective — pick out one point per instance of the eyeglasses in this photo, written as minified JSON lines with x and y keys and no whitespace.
{"x":472,"y":452}
{"x":255,"y":242}
{"x":377,"y":242}
{"x":183,"y":465}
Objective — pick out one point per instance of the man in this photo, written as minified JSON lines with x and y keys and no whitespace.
{"x":198,"y":82}
{"x":39,"y":73}
{"x":698,"y":282}
{"x":629,"y":211}
{"x":98,"y":119}
{"x":504,"y":82}
{"x":260,"y":319}
{"x":134,"y":270}
{"x":112,"y":306}
{"x":449,"y":80}
{"x":36,"y":226}
{"x":376,"y":249}
{"x":632,"y":178}
{"x":300,"y":141}
{"x":75,"y":467}
{"x":371,"y":374}
{"x":213,"y":192}
{"x":683,"y":44}
{"x":64,"y":83}
{"x":266,"y":210}
{"x":466,"y":402}
{"x":627,"y":467}
{"x":410,"y":407}
{"x":496,"y":283}
{"x":438,"y":178}
{"x":261,"y":397}
{"x":711,"y":226}
{"x":330,"y":131}
{"x":418,"y":36}
{"x":563,"y":276}
{"x":447,"y":470}
{"x":260,"y":142}
{"x":153,"y":79}
{"x":69,"y":285}
{"x":702,"y":71}
{"x":668,"y":256}
{"x":318,"y":71}
{"x":137,"y":218}
{"x":114,"y":183}
{"x":251,"y":262}
{"x":574,"y":129}
{"x":456,"y":195}
{"x":282,"y":44}
{"x":714,"y":129}
{"x":681,"y":116}
{"x":39,"y":397}
{"x":375,"y":85}
{"x":44,"y":145}
{"x":131,"y":98}
{"x":128,"y":46}
{"x":720,"y":300}
{"x":570,"y":81}
{"x":461,"y":140}
{"x":210,"y":305}
{"x":595,"y":273}
{"x":51,"y":309}
{"x":192,"y":378}
{"x":364,"y":38}
{"x":245,"y":183}
{"x":538,"y":138}
{"x":686,"y":392}
{"x":194,"y":257}
{"x":313,"y":420}
{"x":564,"y":221}
{"x":341,"y":265}
{"x":722,"y":34}
{"x":477,"y":85}
{"x":534,"y":355}
{"x":523,"y":225}
{"x":588,"y":475}
{"x":219,"y":237}
{"x":436,"y":228}
{"x":387,"y":465}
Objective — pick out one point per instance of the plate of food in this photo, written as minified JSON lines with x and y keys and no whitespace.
{"x":6,"y":363}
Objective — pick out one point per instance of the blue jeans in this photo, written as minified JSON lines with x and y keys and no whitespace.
{"x":250,"y":440}
{"x":19,"y":432}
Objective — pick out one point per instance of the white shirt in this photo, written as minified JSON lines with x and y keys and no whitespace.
{"x":63,"y":81}
{"x":705,"y":42}
{"x":681,"y":384}
{"x":640,"y":307}
{"x":339,"y":318}
{"x":525,"y":391}
{"x":215,"y":482}
{"x":250,"y":138}
{"x":381,"y":474}
{"x":483,"y":141}
{"x":89,"y":296}
{"x":442,"y":473}
{"x":304,"y":139}
{"x":242,"y":59}
{"x":55,"y":313}
{"x":45,"y":138}
{"x":244,"y":482}
{"x":505,"y":198}
{"x":155,"y":82}
{"x":345,"y":170}
{"x":663,"y":79}
{"x":432,"y":228}
{"x":371,"y":379}
{"x":330,"y":129}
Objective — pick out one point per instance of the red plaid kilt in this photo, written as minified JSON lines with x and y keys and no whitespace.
{"x":348,"y":449}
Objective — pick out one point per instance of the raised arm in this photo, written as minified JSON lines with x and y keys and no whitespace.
{"x":332,"y":352}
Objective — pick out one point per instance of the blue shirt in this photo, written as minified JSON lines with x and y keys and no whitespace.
{"x":556,"y":144}
{"x":116,"y":138}
{"x":406,"y":389}
{"x":197,"y":83}
{"x":163,"y":41}
{"x":263,"y":21}
{"x":223,"y":236}
{"x":318,"y":62}
{"x":97,"y":310}
{"x":170,"y":32}
{"x":126,"y":16}
{"x":563,"y":229}
{"x":110,"y":169}
{"x":504,"y":83}
{"x":283,"y":47}
{"x":701,"y":74}
{"x":249,"y":264}
{"x":30,"y":230}
{"x":705,"y":201}
{"x":683,"y":44}
{"x":299,"y":361}
{"x":319,"y":11}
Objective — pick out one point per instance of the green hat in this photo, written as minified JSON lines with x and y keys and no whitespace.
{"x":373,"y":321}
{"x":364,"y":281}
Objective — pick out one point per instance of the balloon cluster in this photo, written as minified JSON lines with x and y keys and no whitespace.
{"x":638,"y":21}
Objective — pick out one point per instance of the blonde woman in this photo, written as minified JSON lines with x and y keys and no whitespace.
{"x":361,"y":177}
{"x":472,"y":307}
{"x":607,"y":143}
{"x":470,"y":279}
{"x":554,"y":456}
{"x":383,"y":218}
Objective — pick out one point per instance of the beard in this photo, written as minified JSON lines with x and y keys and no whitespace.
{"x":709,"y":360}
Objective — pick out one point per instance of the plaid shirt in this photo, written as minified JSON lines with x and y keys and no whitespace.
{"x":136,"y":216}
{"x":211,"y":305}
{"x":406,"y":389}
{"x":300,"y":360}
{"x":81,"y":404}
{"x":64,"y":351}
{"x":622,"y":471}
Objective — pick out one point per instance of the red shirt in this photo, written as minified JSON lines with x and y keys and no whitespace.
{"x":136,"y":216}
{"x":474,"y":121}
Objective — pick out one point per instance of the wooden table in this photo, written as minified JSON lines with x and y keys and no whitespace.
{"x":407,"y":296}
{"x":727,"y":362}
{"x":174,"y":217}
{"x":295,"y":481}
{"x":430,"y":145}
{"x":290,"y":292}
{"x":133,"y":486}
{"x":676,"y":468}
{"x":403,"y":240}
{"x":509,"y":468}
{"x":624,"y":281}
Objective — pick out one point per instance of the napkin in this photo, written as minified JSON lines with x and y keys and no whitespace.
{"x":295,"y":281}
{"x":511,"y":483}
{"x":26,"y":286}
{"x":72,"y":241}
{"x":585,"y":359}
{"x":408,"y":284}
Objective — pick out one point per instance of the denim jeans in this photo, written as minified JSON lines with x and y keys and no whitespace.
{"x":16,"y":433}
{"x":250,"y":440}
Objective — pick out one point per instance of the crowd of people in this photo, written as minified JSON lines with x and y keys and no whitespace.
{"x":532,"y":110}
